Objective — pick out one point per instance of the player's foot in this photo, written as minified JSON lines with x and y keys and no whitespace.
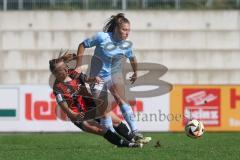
{"x":139,"y":138}
{"x":135,"y":145}
{"x":145,"y":140}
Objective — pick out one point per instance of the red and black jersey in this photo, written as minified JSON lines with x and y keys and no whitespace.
{"x":74,"y":92}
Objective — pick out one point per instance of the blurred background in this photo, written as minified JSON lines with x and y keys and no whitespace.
{"x":197,"y":40}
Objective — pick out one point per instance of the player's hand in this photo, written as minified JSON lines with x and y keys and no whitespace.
{"x":78,"y":69}
{"x":133,"y":78}
{"x":94,"y":80}
{"x":97,"y":80}
{"x":77,"y":116}
{"x":80,"y":116}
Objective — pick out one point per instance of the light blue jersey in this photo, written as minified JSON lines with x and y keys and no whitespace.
{"x":110,"y":52}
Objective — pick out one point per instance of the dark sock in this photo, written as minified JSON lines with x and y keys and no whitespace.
{"x":115,"y":139}
{"x":123,"y":130}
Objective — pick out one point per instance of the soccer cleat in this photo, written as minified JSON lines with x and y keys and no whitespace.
{"x":137,"y":136}
{"x":144,"y":140}
{"x":135,"y":145}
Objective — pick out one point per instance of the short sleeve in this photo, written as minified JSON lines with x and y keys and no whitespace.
{"x":129,"y":54}
{"x":59,"y":96}
{"x":93,"y":41}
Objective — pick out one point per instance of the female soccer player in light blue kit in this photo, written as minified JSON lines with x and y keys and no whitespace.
{"x":111,"y":47}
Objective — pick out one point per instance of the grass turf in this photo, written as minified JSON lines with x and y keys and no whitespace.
{"x":76,"y":146}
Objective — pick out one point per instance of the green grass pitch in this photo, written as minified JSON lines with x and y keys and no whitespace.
{"x":80,"y":146}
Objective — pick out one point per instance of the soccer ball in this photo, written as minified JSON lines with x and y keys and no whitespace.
{"x":194,"y":128}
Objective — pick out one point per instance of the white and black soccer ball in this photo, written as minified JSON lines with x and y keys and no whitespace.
{"x":194,"y":128}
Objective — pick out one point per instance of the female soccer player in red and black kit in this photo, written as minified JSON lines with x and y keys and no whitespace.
{"x":74,"y":99}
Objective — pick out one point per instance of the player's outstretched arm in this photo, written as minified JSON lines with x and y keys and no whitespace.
{"x":72,"y":115}
{"x":80,"y":53}
{"x":133,"y":62}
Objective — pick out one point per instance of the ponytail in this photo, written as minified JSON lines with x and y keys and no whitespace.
{"x":66,"y":57}
{"x":114,"y":21}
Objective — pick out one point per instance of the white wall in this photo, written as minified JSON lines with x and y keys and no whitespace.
{"x":198,"y":47}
